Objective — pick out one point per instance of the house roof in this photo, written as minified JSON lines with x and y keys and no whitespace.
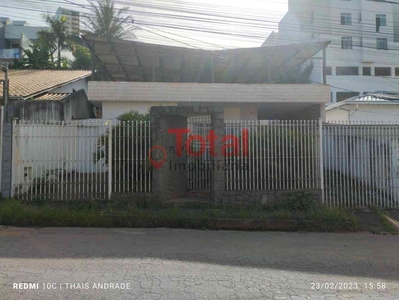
{"x":378,"y":97}
{"x":52,"y":96}
{"x":207,"y":92}
{"x":137,"y":61}
{"x":29,"y":83}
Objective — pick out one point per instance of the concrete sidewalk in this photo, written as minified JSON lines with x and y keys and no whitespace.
{"x":192,"y":264}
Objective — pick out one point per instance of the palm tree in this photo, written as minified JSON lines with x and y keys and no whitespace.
{"x":109,"y":22}
{"x":58,"y":37}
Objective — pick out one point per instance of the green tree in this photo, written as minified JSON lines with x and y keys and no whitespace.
{"x":38,"y":57}
{"x":109,"y":22}
{"x":83,"y":60}
{"x":58,"y":37}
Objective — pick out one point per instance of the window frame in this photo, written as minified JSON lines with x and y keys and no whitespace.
{"x":385,"y":40}
{"x":346,"y":19}
{"x":346,"y":39}
{"x":381,"y":17}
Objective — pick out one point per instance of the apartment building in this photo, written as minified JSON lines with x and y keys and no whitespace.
{"x":72,"y":17}
{"x":364,"y":52}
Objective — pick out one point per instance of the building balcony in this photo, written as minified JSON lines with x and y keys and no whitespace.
{"x":10,"y":53}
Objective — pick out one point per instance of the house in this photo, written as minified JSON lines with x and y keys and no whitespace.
{"x":364,"y":35}
{"x":48,"y":95}
{"x":15,"y":36}
{"x":241,"y":81}
{"x":372,"y":107}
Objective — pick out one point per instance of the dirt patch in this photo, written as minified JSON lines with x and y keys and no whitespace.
{"x":370,"y":221}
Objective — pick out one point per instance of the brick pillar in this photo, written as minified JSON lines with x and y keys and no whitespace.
{"x":218,"y":179}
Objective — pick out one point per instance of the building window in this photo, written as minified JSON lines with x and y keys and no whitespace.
{"x":382,"y":44}
{"x":396,"y":71}
{"x":346,"y":43}
{"x":346,"y":19}
{"x":380,"y":71}
{"x":380,"y":20}
{"x":366,"y":71}
{"x":328,"y":71}
{"x":341,"y":96}
{"x":347,"y":71}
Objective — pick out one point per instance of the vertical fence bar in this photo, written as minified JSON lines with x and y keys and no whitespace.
{"x":321,"y":160}
{"x":109,"y":159}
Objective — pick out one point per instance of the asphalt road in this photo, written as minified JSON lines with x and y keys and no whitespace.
{"x":192,"y":264}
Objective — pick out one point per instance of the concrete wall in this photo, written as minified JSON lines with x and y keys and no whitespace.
{"x":112,"y":110}
{"x":75,"y":106}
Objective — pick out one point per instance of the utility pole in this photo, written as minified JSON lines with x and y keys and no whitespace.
{"x":5,"y":85}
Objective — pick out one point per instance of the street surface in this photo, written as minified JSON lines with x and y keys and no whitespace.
{"x":75,"y":263}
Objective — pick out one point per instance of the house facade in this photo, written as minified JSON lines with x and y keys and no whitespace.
{"x":239,"y":102}
{"x":364,"y":35}
{"x":373,"y":107}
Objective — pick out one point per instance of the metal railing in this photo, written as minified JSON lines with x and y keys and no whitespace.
{"x":88,"y":159}
{"x":272,"y":155}
{"x":352,"y":164}
{"x":361,"y":164}
{"x":10,"y":53}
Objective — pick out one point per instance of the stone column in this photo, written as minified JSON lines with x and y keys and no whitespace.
{"x":169,"y":181}
{"x":218,"y":179}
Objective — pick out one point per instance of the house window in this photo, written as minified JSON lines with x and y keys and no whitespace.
{"x":381,"y":71}
{"x":346,"y":19}
{"x":366,"y":71}
{"x":396,"y":71}
{"x":347,"y":71}
{"x":341,"y":96}
{"x":346,"y":43}
{"x":380,"y":20}
{"x":382,"y":44}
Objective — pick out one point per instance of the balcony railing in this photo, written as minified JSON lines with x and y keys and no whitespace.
{"x":10,"y":53}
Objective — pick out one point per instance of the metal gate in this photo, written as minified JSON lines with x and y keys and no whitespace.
{"x":199,"y":167}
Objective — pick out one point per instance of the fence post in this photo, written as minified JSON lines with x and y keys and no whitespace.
{"x":321,"y":158}
{"x":109,"y":159}
{"x":13,"y":156}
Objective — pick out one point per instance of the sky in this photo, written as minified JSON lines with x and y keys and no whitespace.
{"x":204,"y":24}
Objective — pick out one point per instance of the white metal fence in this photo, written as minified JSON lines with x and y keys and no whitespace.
{"x":354,"y":164}
{"x":361,"y":164}
{"x":275,"y":155}
{"x":72,"y":160}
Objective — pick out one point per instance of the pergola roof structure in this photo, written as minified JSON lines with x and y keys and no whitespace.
{"x":137,"y":61}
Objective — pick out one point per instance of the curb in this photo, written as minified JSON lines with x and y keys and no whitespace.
{"x":394,"y":223}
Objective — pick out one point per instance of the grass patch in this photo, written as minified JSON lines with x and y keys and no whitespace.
{"x":152,"y":214}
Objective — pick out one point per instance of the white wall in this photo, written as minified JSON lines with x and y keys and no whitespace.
{"x":113,"y":109}
{"x":379,"y":113}
{"x":77,"y":85}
